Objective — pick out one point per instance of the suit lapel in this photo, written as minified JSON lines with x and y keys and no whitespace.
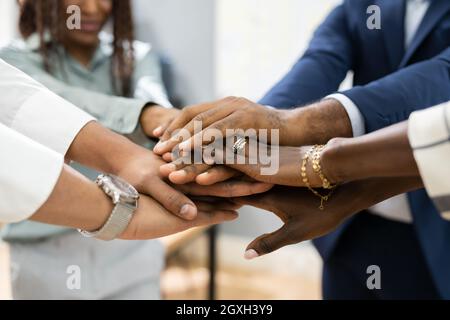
{"x":437,"y":10}
{"x":393,"y":29}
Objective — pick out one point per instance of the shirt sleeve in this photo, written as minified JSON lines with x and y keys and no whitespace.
{"x":25,"y":185}
{"x":116,"y":113}
{"x":148,"y":80}
{"x":429,"y":136}
{"x":34,"y":111}
{"x":356,"y":117}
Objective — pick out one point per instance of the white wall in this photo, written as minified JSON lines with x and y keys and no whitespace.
{"x":8,"y":21}
{"x":183,"y":30}
{"x":257,"y":41}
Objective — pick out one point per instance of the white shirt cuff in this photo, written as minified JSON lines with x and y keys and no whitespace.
{"x":148,"y":90}
{"x":429,"y":136}
{"x":50,"y":120}
{"x":28,"y":175}
{"x":356,"y":117}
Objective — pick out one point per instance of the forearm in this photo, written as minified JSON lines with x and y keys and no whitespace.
{"x":315,"y":124}
{"x":75,"y":202}
{"x":99,"y":148}
{"x":384,"y":153}
{"x":360,"y":195}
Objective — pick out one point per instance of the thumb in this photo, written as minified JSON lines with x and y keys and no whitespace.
{"x":268,"y":243}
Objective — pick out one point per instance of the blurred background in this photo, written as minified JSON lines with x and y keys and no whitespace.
{"x":218,"y":48}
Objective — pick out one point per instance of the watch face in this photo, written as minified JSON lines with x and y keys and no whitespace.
{"x":119,"y":186}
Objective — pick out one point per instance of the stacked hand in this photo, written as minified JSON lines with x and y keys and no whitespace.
{"x":164,"y":208}
{"x":294,"y":204}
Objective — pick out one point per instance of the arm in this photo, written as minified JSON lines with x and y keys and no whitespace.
{"x":79,"y":198}
{"x":393,"y":98}
{"x":303,"y":220}
{"x":32,"y":110}
{"x":383,"y":153}
{"x":120,"y":114}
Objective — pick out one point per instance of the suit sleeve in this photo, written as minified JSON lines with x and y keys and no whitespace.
{"x":393,"y":98}
{"x":321,"y":69}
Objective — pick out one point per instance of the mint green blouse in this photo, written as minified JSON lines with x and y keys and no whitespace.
{"x":91,"y":89}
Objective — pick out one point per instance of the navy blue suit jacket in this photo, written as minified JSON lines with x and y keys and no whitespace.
{"x":390,"y":83}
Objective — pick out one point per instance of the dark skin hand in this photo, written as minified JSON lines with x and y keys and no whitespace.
{"x":140,"y":167}
{"x":299,"y":210}
{"x":153,"y":116}
{"x":322,"y":121}
{"x":228,"y":113}
{"x":384,"y":153}
{"x":287,"y":171}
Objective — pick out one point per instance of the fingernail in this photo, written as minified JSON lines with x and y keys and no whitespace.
{"x":157,"y":131}
{"x":170,"y":167}
{"x":203,"y":175}
{"x":178,"y":176}
{"x":184,"y":145}
{"x":251,"y":254}
{"x":160,"y":146}
{"x":188,"y":211}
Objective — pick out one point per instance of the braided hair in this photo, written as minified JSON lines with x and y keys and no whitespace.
{"x":44,"y":17}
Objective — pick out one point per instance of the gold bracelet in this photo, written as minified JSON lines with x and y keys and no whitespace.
{"x":305,"y":180}
{"x":316,"y":159}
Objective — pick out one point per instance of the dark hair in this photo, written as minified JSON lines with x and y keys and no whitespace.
{"x":44,"y":16}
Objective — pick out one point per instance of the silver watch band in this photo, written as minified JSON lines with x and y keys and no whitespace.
{"x":117,"y":223}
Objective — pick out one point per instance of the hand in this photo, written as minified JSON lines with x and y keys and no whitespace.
{"x":155,"y":118}
{"x":303,"y":220}
{"x":142,"y":171}
{"x":152,"y":221}
{"x":227,"y":189}
{"x":228,"y":113}
{"x":299,"y":210}
{"x":285,"y":165}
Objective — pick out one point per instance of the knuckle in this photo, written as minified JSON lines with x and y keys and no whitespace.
{"x":186,"y":113}
{"x":219,"y":126}
{"x":191,"y":170}
{"x":199,"y":117}
{"x":173,"y":199}
{"x":265,"y":245}
{"x":230,"y":99}
{"x":242,"y":101}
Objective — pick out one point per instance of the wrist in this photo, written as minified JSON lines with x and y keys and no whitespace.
{"x":333,"y":161}
{"x":105,"y":207}
{"x":318,"y":123}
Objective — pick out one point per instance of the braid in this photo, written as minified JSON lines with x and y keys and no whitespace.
{"x":123,"y":57}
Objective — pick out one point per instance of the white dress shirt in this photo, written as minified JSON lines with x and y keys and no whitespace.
{"x":31,"y":117}
{"x":28,"y":173}
{"x":396,"y":208}
{"x":429,"y":136}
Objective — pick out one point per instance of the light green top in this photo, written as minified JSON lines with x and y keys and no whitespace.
{"x":91,"y":89}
